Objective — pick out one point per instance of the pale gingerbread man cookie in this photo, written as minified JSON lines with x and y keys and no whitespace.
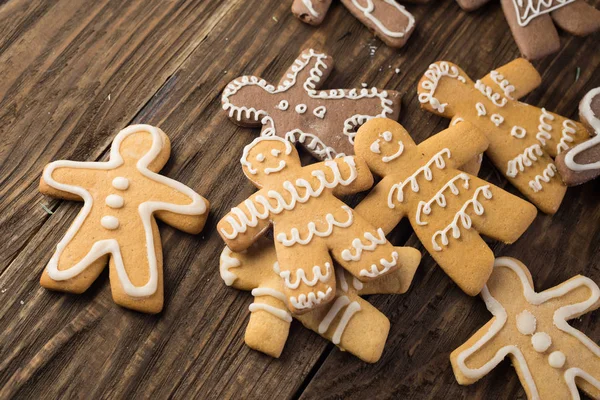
{"x":116,"y":225}
{"x":447,"y":208}
{"x":523,"y":138}
{"x":387,"y":19}
{"x":310,"y":224}
{"x":551,"y":357}
{"x":348,"y":321}
{"x":323,"y":121}
{"x":582,"y":162}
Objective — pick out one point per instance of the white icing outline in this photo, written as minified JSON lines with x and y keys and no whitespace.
{"x":544,"y":128}
{"x":585,"y":109}
{"x":432,"y":76}
{"x":351,"y":309}
{"x":387,"y":265}
{"x":481,"y":111}
{"x":463,"y":217}
{"x":145,"y":211}
{"x":504,"y":84}
{"x":495,"y":98}
{"x":533,"y":9}
{"x":368,"y":12}
{"x":549,"y":172}
{"x":561,"y":315}
{"x":277,"y":312}
{"x":240,"y":222}
{"x":440,"y":198}
{"x":226,"y":262}
{"x":359,"y":247}
{"x":303,"y":301}
{"x":320,"y":111}
{"x":309,"y":6}
{"x":301,"y":108}
{"x":438,"y":159}
{"x":397,"y":154}
{"x":526,"y":159}
{"x":309,"y":86}
{"x":283,"y":105}
{"x":569,"y":128}
{"x":497,"y":119}
{"x":313,"y":231}
{"x":316,"y":145}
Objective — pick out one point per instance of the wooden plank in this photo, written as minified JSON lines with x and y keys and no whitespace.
{"x":73,"y":74}
{"x":435,"y":317}
{"x":84,"y":346}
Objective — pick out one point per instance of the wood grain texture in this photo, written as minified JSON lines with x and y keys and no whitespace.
{"x":166,"y":63}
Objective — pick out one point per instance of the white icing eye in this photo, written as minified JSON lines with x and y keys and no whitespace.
{"x":275,"y":152}
{"x":387,"y":136}
{"x":375,"y":147}
{"x":283,"y":105}
{"x":260,"y":157}
{"x":301,"y":108}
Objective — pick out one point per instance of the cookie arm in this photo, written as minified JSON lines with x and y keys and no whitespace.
{"x":270,"y":320}
{"x":350,"y":174}
{"x":507,"y":216}
{"x":577,"y":18}
{"x":352,"y":324}
{"x":381,"y":208}
{"x":66,"y":179}
{"x":515,"y":79}
{"x":463,"y":140}
{"x":244,"y":224}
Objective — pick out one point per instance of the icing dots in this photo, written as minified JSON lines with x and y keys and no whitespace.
{"x":481,"y":111}
{"x":120,"y":183}
{"x":114,"y":201}
{"x":518,"y":132}
{"x":301,"y":108}
{"x":541,"y":341}
{"x":109,"y":222}
{"x":283,"y":105}
{"x":557,"y":359}
{"x":320,"y":111}
{"x":526,"y":323}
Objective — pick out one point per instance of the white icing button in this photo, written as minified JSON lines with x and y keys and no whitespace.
{"x":541,"y":341}
{"x":557,"y":359}
{"x":526,"y":322}
{"x":109,"y":222}
{"x":120,"y":183}
{"x":283,"y":105}
{"x":114,"y":201}
{"x":301,"y":108}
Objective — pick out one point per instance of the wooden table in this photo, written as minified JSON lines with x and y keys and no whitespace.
{"x":74,"y":72}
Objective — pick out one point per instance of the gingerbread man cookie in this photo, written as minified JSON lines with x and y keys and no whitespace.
{"x":308,"y":220}
{"x":551,"y":357}
{"x":116,"y":226}
{"x":582,"y":162}
{"x":323,"y":121}
{"x":447,"y":208}
{"x":523,"y":138}
{"x":350,"y":322}
{"x":387,"y":19}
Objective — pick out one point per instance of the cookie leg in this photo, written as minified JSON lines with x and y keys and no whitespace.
{"x":352,"y":324}
{"x":364,"y":251}
{"x":136,"y":275}
{"x":505,"y":217}
{"x":467,"y":260}
{"x":270,"y":320}
{"x":307,"y":273}
{"x":74,"y":266}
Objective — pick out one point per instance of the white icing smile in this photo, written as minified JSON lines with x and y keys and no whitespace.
{"x":395,"y":155}
{"x":276,"y":169}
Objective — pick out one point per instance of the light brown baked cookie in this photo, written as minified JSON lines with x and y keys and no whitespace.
{"x":447,"y":208}
{"x":552,"y":359}
{"x":323,"y":121}
{"x":310,"y":224}
{"x":350,"y":322}
{"x":116,"y":225}
{"x":523,"y":138}
{"x":582,"y":163}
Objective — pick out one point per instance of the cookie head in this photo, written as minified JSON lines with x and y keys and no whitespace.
{"x":268,"y":156}
{"x":382,"y":143}
{"x":139,"y":143}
